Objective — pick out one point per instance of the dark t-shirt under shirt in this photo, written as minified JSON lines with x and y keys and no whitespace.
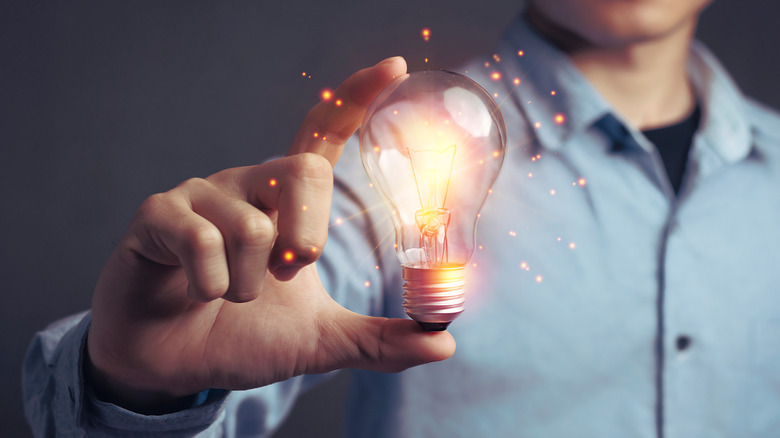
{"x":673,"y":143}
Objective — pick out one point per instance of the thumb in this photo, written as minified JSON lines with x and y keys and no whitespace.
{"x":382,"y":344}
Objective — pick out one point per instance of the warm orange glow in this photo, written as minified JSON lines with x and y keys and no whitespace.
{"x":552,"y":92}
{"x":539,"y":278}
{"x":338,"y":221}
{"x":582,"y":182}
{"x":367,"y":284}
{"x":496,"y":154}
{"x":288,"y":256}
{"x":560,"y":118}
{"x":496,"y":75}
{"x":338,"y":102}
{"x":316,"y":134}
{"x":313,"y":249}
{"x":496,"y":57}
{"x":426,"y":34}
{"x":272,"y":182}
{"x":487,"y":64}
{"x":530,"y":175}
{"x":516,"y":81}
{"x":304,"y":208}
{"x":552,"y":192}
{"x":572,"y":245}
{"x":326,"y":94}
{"x":303,"y":74}
{"x":537,"y":125}
{"x":520,"y":53}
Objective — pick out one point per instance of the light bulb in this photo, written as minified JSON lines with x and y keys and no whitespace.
{"x":432,"y":143}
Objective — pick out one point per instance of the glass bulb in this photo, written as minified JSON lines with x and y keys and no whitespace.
{"x":432,"y":143}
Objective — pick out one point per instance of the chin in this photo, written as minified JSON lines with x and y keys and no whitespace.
{"x":611,"y":23}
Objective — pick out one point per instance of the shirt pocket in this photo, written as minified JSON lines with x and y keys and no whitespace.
{"x":764,"y":388}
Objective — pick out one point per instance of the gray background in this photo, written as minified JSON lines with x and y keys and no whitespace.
{"x":103,"y":103}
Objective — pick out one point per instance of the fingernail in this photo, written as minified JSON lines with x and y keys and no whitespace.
{"x":388,"y":61}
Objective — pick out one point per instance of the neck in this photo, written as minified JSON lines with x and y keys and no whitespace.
{"x":645,"y":81}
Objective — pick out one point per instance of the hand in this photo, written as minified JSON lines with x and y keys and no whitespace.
{"x":213,"y":286}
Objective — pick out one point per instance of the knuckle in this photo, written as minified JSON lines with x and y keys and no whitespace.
{"x":204,"y":239}
{"x":153,"y":204}
{"x":311,"y":166}
{"x":194,"y":184}
{"x":254,"y":228}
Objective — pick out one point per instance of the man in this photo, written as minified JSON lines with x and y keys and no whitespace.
{"x":623,"y":288}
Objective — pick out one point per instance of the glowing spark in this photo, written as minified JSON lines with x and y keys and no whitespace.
{"x":582,"y":182}
{"x":537,"y":125}
{"x":395,"y":112}
{"x":496,"y":154}
{"x":558,"y":239}
{"x":313,"y":249}
{"x":426,"y":34}
{"x":426,"y":60}
{"x":496,"y":75}
{"x":272,"y":182}
{"x":560,"y":118}
{"x":480,"y":246}
{"x":395,"y":245}
{"x":316,"y":134}
{"x":516,"y":81}
{"x":539,"y":278}
{"x":338,"y":102}
{"x":572,"y":245}
{"x":495,"y":94}
{"x":512,"y":233}
{"x":520,"y":53}
{"x":304,"y":208}
{"x":481,"y":161}
{"x":490,"y":190}
{"x":288,"y":256}
{"x":538,"y":156}
{"x":474,"y":265}
{"x":480,"y":214}
{"x":530,"y":175}
{"x":338,"y":221}
{"x":552,"y":192}
{"x":496,"y":57}
{"x":326,"y":94}
{"x":524,"y":265}
{"x":371,"y":185}
{"x":376,"y":267}
{"x":376,"y":148}
{"x":552,"y":92}
{"x":487,"y":64}
{"x":367,"y":283}
{"x":303,"y":74}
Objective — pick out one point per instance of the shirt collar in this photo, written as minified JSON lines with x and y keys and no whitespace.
{"x":543,"y":68}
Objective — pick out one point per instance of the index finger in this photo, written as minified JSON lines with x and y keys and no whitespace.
{"x":329,"y":124}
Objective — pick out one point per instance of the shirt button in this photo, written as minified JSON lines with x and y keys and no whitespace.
{"x":683,"y":342}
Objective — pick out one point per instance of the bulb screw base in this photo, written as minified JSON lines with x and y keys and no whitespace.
{"x":434,"y":297}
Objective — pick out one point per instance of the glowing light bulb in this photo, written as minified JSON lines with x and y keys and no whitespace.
{"x":433,"y":143}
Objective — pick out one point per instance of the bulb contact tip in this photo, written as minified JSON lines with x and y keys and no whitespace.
{"x":434,"y":297}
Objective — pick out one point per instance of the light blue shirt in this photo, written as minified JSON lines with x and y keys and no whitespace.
{"x":588,"y":271}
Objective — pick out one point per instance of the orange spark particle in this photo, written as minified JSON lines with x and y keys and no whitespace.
{"x":326,"y":94}
{"x":303,"y":74}
{"x":272,"y":182}
{"x":338,"y":221}
{"x":538,"y":156}
{"x":426,"y":34}
{"x":395,"y":245}
{"x":524,"y":265}
{"x":487,"y":64}
{"x":288,"y":256}
{"x":552,"y":192}
{"x":572,"y":245}
{"x":530,"y":175}
{"x":495,"y":94}
{"x":552,"y":92}
{"x":558,"y":239}
{"x":496,"y":154}
{"x":496,"y":75}
{"x":338,"y":102}
{"x":539,"y":278}
{"x":537,"y":125}
{"x":480,"y":246}
{"x":371,"y":185}
{"x":474,"y":265}
{"x":376,"y":267}
{"x":304,"y":208}
{"x":490,"y":190}
{"x":313,"y":249}
{"x":582,"y":182}
{"x":481,"y":161}
{"x":512,"y":233}
{"x":520,"y":53}
{"x":395,"y":112}
{"x":376,"y":148}
{"x":516,"y":81}
{"x":367,"y":283}
{"x":496,"y":57}
{"x":316,"y":134}
{"x":560,"y":118}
